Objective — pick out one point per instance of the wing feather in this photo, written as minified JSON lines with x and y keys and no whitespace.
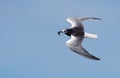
{"x":77,"y":21}
{"x":80,"y":50}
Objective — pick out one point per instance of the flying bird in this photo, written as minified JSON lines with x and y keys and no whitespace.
{"x":77,"y":34}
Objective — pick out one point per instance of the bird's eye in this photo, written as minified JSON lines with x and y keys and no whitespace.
{"x":64,"y":30}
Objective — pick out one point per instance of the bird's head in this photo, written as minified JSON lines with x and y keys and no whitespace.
{"x":65,"y":31}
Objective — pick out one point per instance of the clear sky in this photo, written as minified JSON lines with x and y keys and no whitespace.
{"x":31,"y":48}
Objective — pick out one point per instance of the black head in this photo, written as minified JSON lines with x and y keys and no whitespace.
{"x":68,"y":32}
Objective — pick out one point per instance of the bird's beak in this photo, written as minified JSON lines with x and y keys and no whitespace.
{"x":59,"y":32}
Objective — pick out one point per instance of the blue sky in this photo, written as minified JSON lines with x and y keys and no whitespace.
{"x":31,"y":48}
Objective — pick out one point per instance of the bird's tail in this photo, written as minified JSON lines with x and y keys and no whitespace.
{"x":89,"y":35}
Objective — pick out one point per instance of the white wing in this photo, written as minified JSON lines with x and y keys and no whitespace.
{"x":80,"y":50}
{"x":75,"y":45}
{"x":77,"y":21}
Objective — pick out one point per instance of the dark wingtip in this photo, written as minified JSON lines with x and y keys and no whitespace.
{"x":98,"y":59}
{"x":97,"y":18}
{"x":95,"y":58}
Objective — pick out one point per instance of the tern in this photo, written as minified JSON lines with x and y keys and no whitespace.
{"x":77,"y":34}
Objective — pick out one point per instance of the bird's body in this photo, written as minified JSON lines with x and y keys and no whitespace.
{"x":77,"y":34}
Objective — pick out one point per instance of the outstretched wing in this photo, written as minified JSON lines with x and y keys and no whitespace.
{"x":77,"y":21}
{"x":80,"y":50}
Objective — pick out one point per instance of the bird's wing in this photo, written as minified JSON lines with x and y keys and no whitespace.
{"x":80,"y":50}
{"x":76,"y":21}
